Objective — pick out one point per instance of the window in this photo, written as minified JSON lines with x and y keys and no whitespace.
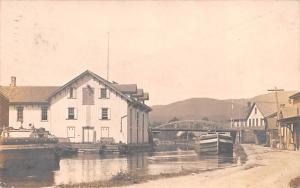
{"x":255,"y":110}
{"x":72,"y":113}
{"x":256,"y":122}
{"x":20,"y":114}
{"x":72,"y":93}
{"x":104,"y":132}
{"x":249,"y":122}
{"x":253,"y":122}
{"x":105,"y":113}
{"x":71,"y":132}
{"x":104,"y":93}
{"x":262,"y":121}
{"x":44,"y":113}
{"x":88,"y":96}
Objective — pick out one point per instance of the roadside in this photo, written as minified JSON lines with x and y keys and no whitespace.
{"x":265,"y":168}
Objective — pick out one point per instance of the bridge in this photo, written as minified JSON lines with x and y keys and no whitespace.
{"x":208,"y":126}
{"x":199,"y":126}
{"x":193,"y":125}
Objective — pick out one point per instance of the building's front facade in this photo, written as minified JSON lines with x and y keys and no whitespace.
{"x":252,"y":118}
{"x":86,"y":109}
{"x":289,"y":121}
{"x":251,"y":124}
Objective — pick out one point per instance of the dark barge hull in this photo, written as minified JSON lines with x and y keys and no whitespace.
{"x":214,"y":144}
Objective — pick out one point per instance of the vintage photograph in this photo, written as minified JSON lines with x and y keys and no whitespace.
{"x":149,"y":94}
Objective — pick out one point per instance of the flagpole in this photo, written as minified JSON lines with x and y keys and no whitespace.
{"x":107,"y":73}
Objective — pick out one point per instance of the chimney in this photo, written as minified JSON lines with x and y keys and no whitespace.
{"x":13,"y":81}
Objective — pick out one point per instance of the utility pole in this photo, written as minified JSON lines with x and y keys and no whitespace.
{"x":276,"y":90}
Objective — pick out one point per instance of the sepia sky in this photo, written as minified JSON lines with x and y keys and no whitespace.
{"x":174,"y":49}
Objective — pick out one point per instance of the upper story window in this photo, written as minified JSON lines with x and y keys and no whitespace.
{"x":44,"y":110}
{"x":104,"y":93}
{"x":105,"y":113}
{"x":20,"y":113}
{"x":88,"y":95}
{"x":72,"y":93}
{"x":72,"y":113}
{"x":249,"y":122}
{"x":256,"y":122}
{"x":255,"y":110}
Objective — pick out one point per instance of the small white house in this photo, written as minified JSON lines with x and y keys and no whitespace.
{"x":254,"y":117}
{"x":86,"y":109}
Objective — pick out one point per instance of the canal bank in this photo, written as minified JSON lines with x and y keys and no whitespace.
{"x":264,"y":168}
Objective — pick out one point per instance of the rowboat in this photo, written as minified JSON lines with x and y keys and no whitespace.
{"x":214,"y":144}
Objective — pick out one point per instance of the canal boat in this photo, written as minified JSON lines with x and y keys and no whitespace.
{"x":22,"y":140}
{"x":214,"y":143}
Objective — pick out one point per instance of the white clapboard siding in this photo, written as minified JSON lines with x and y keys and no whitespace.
{"x":74,"y":93}
{"x":75,"y":113}
{"x":107,"y":93}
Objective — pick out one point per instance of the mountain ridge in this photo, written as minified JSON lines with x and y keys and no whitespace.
{"x":213,"y":109}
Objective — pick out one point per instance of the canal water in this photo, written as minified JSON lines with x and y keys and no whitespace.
{"x":40,"y":170}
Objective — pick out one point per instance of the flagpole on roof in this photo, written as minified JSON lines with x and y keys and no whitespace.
{"x":107,"y":73}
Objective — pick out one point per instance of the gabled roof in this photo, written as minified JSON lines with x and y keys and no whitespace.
{"x":27,"y":94}
{"x":240,"y":113}
{"x":95,"y":76}
{"x":43,"y":94}
{"x":145,"y":96}
{"x":266,"y":109}
{"x":2,"y":94}
{"x":289,"y":112}
{"x":296,"y":95}
{"x":126,"y":88}
{"x":139,"y":93}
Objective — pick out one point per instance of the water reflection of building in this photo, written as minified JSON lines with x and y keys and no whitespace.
{"x":28,"y":168}
{"x":137,"y":162}
{"x":95,"y":167}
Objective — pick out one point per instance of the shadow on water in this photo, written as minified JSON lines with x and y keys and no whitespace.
{"x":28,"y":168}
{"x":38,"y":169}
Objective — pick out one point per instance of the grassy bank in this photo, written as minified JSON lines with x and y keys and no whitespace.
{"x":123,"y":179}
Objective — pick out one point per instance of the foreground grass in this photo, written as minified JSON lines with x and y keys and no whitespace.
{"x":123,"y":179}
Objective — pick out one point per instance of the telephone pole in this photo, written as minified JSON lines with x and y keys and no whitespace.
{"x":276,"y":90}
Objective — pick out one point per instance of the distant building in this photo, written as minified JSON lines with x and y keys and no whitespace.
{"x":289,"y":119}
{"x":86,"y":109}
{"x":252,"y":123}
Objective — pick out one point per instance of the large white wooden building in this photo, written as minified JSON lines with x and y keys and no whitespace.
{"x":86,"y":109}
